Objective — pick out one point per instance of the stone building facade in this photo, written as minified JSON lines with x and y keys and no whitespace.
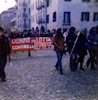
{"x":14,"y":20}
{"x":23,"y":15}
{"x":6,"y":19}
{"x":64,"y":14}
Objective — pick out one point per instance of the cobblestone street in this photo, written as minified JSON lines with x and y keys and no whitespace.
{"x":35,"y":78}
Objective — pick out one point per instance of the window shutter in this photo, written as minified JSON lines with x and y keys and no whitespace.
{"x":69,"y":17}
{"x":88,"y":16}
{"x":94,"y":17}
{"x":82,"y":16}
{"x":64,"y":18}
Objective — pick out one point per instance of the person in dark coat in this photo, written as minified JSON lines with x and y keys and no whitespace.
{"x":29,"y":34}
{"x":71,"y":37}
{"x":81,"y":49}
{"x":4,"y":51}
{"x":96,"y":51}
{"x":92,"y":46}
{"x":58,"y":43}
{"x":23,"y":35}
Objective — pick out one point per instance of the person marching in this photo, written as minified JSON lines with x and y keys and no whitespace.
{"x":92,"y":46}
{"x":58,"y":43}
{"x":71,"y":37}
{"x":4,"y":51}
{"x":81,"y":49}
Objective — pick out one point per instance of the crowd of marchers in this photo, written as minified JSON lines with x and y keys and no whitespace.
{"x":30,"y":33}
{"x":75,"y":43}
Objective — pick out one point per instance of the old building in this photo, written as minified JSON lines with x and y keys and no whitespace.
{"x":14,"y":20}
{"x":23,"y":15}
{"x":64,"y":13}
{"x":6,"y":19}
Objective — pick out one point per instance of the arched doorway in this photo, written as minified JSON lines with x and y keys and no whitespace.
{"x":42,"y":29}
{"x":37,"y":29}
{"x":33,"y":29}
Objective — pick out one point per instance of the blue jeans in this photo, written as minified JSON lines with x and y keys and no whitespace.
{"x":59,"y":62}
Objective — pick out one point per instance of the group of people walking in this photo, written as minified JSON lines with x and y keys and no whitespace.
{"x":29,"y":33}
{"x":77,"y":46}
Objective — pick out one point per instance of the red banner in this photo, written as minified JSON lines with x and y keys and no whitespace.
{"x":27,"y":44}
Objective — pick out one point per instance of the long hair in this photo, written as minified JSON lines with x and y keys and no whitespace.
{"x":72,"y":30}
{"x":1,"y":29}
{"x":92,"y":31}
{"x":59,"y":34}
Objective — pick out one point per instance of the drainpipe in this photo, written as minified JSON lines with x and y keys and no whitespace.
{"x":45,"y":15}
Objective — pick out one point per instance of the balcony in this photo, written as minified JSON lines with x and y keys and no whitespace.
{"x":25,"y":15}
{"x":24,"y":4}
{"x":40,"y":6}
{"x":41,"y":21}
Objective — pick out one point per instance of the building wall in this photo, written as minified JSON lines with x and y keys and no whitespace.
{"x":53,"y":7}
{"x":34,"y":11}
{"x":6,"y":19}
{"x":13,"y":23}
{"x":21,"y":5}
{"x":75,"y":7}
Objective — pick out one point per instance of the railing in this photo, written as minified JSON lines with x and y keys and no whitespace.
{"x":41,"y":21}
{"x":40,"y":6}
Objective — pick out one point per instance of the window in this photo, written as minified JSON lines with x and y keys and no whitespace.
{"x":86,"y":0}
{"x":33,"y":6}
{"x":29,"y":11}
{"x":54,"y":17}
{"x":95,"y":18}
{"x":67,"y":0}
{"x":24,"y":10}
{"x":43,"y":14}
{"x":33,"y":19}
{"x":36,"y":17}
{"x":25,"y":21}
{"x":29,"y":23}
{"x":66,"y":17}
{"x":85,"y":16}
{"x":48,"y":3}
{"x":47,"y":19}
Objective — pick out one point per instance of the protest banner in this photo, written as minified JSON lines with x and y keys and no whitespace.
{"x":28,"y":44}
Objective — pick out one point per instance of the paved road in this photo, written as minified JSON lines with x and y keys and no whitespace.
{"x":36,"y":78}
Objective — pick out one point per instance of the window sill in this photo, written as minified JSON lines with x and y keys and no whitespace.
{"x":96,"y":21}
{"x":66,"y":23}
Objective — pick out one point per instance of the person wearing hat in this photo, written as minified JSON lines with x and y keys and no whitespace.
{"x":4,"y":51}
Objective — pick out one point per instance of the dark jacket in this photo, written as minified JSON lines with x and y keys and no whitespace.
{"x":4,"y":46}
{"x":58,"y":44}
{"x":91,"y":39}
{"x":81,"y":45}
{"x":70,"y":41}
